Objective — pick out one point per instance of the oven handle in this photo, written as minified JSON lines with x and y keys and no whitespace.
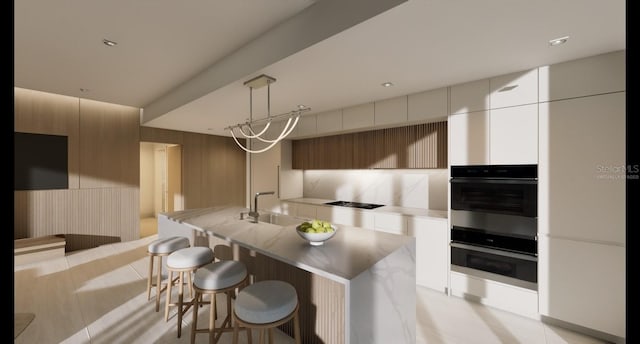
{"x":494,"y":180}
{"x":493,"y":251}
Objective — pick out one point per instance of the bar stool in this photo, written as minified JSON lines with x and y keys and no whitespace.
{"x":215,"y":278}
{"x":186,"y":260}
{"x":160,"y":248}
{"x":265,"y":305}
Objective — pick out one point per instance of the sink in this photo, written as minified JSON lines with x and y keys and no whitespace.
{"x":280,"y":220}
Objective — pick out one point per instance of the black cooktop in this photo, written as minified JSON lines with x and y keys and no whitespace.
{"x":355,"y":204}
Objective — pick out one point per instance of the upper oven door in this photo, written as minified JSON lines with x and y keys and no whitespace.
{"x":510,"y":193}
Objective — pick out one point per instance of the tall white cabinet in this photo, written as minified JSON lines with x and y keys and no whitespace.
{"x":271,"y":171}
{"x":581,"y":269}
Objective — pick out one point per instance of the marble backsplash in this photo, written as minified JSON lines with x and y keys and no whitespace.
{"x":403,"y":188}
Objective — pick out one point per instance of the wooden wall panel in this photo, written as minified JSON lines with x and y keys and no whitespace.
{"x":214,"y":171}
{"x":102,"y":202}
{"x":322,"y":301}
{"x":109,"y":145}
{"x":416,"y":146}
{"x":45,"y":113}
{"x":46,"y":212}
{"x":149,"y":134}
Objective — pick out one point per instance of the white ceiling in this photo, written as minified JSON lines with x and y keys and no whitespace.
{"x":418,"y":45}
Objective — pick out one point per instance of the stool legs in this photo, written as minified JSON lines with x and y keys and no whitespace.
{"x":158,"y":284}
{"x":262,"y":328}
{"x":214,"y":333}
{"x":151,"y":258}
{"x":166,"y":306}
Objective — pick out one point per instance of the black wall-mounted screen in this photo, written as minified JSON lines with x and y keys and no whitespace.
{"x":40,"y":162}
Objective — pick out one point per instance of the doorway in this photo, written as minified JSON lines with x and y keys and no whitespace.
{"x":160,"y":183}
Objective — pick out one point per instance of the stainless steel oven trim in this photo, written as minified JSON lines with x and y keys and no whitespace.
{"x":463,"y":180}
{"x":493,"y":251}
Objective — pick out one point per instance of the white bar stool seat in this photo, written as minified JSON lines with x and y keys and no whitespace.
{"x":214,"y":278}
{"x":186,"y":260}
{"x":160,"y":248}
{"x":266,"y":305}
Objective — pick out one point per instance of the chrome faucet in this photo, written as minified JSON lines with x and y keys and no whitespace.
{"x":254,"y":212}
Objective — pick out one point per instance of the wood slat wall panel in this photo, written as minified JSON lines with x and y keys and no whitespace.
{"x":46,"y":212}
{"x":102,"y":202}
{"x":45,"y":113}
{"x":109,"y":145}
{"x":192,"y":161}
{"x":322,"y":301}
{"x":149,"y":134}
{"x":416,"y":146}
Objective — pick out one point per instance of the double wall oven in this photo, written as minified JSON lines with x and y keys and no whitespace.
{"x":494,"y":225}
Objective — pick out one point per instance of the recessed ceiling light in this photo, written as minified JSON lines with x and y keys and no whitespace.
{"x":558,"y":41}
{"x":84,"y":90}
{"x":387,"y":84}
{"x":301,"y":106}
{"x":109,"y":43}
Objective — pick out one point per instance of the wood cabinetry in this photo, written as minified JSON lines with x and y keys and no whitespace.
{"x":432,"y":265}
{"x":417,"y":146}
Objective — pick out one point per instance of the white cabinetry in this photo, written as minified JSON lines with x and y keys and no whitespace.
{"x":428,"y":105}
{"x":470,"y":97}
{"x":583,"y":283}
{"x":588,"y":76}
{"x":346,"y":216}
{"x":390,"y":223}
{"x":494,"y":137}
{"x":431,"y":251}
{"x":390,"y":111}
{"x":514,"y":89}
{"x":469,"y":138}
{"x":581,"y":268}
{"x":329,"y":122}
{"x":306,"y":127}
{"x":358,"y":117}
{"x":271,"y":171}
{"x":514,"y":135}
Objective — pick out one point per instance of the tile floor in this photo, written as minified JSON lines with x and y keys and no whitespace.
{"x":99,"y":296}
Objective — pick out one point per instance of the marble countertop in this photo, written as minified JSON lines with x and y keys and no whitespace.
{"x":418,"y":212}
{"x":348,"y":253}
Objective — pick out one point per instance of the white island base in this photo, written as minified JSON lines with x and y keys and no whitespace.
{"x":359,"y":287}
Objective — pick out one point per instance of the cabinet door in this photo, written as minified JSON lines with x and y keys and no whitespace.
{"x":427,"y":106}
{"x":432,"y":246}
{"x":469,"y":139}
{"x":306,"y":127}
{"x":329,"y":122}
{"x":357,"y":117}
{"x":352,"y":217}
{"x":514,"y":135}
{"x":599,"y":74}
{"x":470,"y":97}
{"x":582,"y":168}
{"x":583,"y":283}
{"x":514,"y":89}
{"x":390,"y":111}
{"x":390,"y":223}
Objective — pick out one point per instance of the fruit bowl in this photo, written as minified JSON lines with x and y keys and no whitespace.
{"x":316,"y":239}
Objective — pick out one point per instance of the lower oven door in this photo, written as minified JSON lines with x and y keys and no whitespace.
{"x":515,"y":265}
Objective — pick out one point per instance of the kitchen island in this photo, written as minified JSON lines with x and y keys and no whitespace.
{"x":359,"y":287}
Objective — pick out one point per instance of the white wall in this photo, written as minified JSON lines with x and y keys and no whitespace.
{"x":404,"y":188}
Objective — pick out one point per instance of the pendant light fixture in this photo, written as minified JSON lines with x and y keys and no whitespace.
{"x":247,"y":130}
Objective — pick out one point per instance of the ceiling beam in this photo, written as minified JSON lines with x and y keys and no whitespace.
{"x":317,"y":22}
